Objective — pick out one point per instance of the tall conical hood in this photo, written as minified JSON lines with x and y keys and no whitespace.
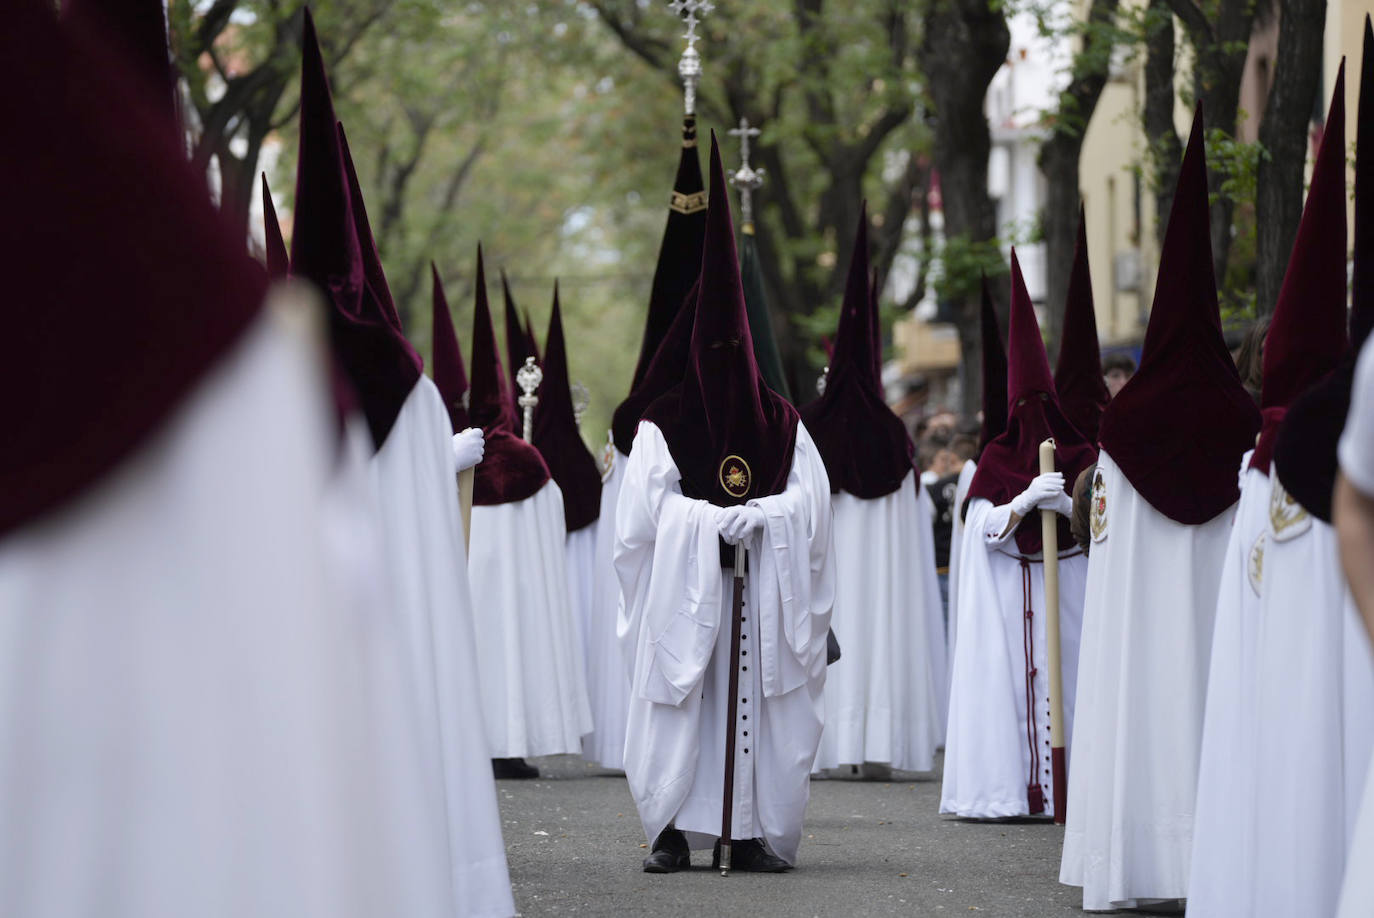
{"x":1307,"y":334}
{"x":136,"y":33}
{"x":1185,"y":408}
{"x":123,"y":284}
{"x":511,"y":469}
{"x":1012,"y":459}
{"x":278,"y":261}
{"x":326,"y":249}
{"x":517,"y":344}
{"x":1305,"y":450}
{"x":994,"y":372}
{"x":556,"y":434}
{"x":866,"y":448}
{"x":1078,"y":374}
{"x":372,"y":261}
{"x":730,"y":435}
{"x":679,"y":263}
{"x":760,"y":322}
{"x":531,"y":340}
{"x":449,"y":375}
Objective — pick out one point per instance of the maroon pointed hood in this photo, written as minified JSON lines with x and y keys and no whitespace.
{"x":675,"y":275}
{"x":1305,"y":451}
{"x":556,"y":434}
{"x":866,"y":448}
{"x":327,"y":250}
{"x":1012,"y":459}
{"x":531,"y":341}
{"x":1078,"y":373}
{"x":1179,"y":427}
{"x":730,"y":435}
{"x":511,"y":469}
{"x":124,"y":285}
{"x":449,"y":376}
{"x":518,"y":346}
{"x":372,"y":260}
{"x":1306,"y":337}
{"x":994,"y":372}
{"x":278,"y":261}
{"x":136,"y":33}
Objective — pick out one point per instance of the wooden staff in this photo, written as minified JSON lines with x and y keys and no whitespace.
{"x":727,"y":805}
{"x":1049,"y":537}
{"x":465,"y":480}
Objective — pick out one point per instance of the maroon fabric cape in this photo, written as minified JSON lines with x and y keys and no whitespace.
{"x":511,"y":470}
{"x":278,"y":260}
{"x":1078,"y":373}
{"x":994,"y":372}
{"x":722,"y":421}
{"x":1179,"y":427}
{"x":556,"y":434}
{"x":1012,"y":459}
{"x":328,"y":249}
{"x":124,"y":286}
{"x":1305,"y":452}
{"x":866,"y":448}
{"x":1306,"y":338}
{"x":675,"y":275}
{"x":449,"y":376}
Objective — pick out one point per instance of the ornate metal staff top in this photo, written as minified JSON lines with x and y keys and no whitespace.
{"x":528,"y":378}
{"x":747,"y":179}
{"x":689,"y":65}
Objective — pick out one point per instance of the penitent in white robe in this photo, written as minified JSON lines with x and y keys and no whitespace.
{"x":676,"y":627}
{"x":885,"y":696}
{"x":412,"y":477}
{"x":204,"y":707}
{"x":530,"y":661}
{"x":1148,"y":616}
{"x":998,"y":742}
{"x":1316,"y":691}
{"x":608,"y":678}
{"x":580,"y":563}
{"x":1221,"y":875}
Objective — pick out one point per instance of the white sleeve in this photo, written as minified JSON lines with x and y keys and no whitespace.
{"x":996,"y":526}
{"x":1356,"y":451}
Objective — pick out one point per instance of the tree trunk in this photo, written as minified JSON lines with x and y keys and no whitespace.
{"x":965,"y":43}
{"x":1284,"y":134}
{"x":1059,"y":159}
{"x":1158,"y":110}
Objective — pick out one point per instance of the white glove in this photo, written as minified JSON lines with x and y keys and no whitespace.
{"x":1042,"y":493}
{"x":468,"y":447}
{"x":736,"y":524}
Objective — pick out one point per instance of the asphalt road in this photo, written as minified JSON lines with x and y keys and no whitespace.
{"x":870,"y":848}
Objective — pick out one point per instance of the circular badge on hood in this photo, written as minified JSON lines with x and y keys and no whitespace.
{"x":735,"y":476}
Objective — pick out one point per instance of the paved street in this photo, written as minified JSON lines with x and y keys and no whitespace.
{"x":870,"y":848}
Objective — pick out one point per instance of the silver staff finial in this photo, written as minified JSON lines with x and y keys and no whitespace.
{"x":822,"y":380}
{"x":747,"y":179}
{"x":528,"y":378}
{"x":581,"y":399}
{"x":689,"y":65}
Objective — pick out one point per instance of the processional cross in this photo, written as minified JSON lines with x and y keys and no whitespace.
{"x":689,"y":66}
{"x":747,"y":179}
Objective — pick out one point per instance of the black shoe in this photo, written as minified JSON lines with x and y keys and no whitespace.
{"x":749,"y":855}
{"x":513,"y":768}
{"x":670,"y":853}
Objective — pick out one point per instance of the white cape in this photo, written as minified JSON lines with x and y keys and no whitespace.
{"x":413,"y":477}
{"x":530,"y":662}
{"x":1221,"y":875}
{"x":676,"y":598}
{"x":1148,"y":615}
{"x":956,"y":548}
{"x":608,"y":680}
{"x":204,"y":708}
{"x":996,"y":740}
{"x":1314,"y":687}
{"x":885,"y":696}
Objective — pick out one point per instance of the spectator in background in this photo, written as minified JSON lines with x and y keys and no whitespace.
{"x":1116,"y":370}
{"x":1250,"y":358}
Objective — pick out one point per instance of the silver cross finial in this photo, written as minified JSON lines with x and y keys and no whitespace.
{"x":689,"y":66}
{"x":528,"y":378}
{"x":747,"y":179}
